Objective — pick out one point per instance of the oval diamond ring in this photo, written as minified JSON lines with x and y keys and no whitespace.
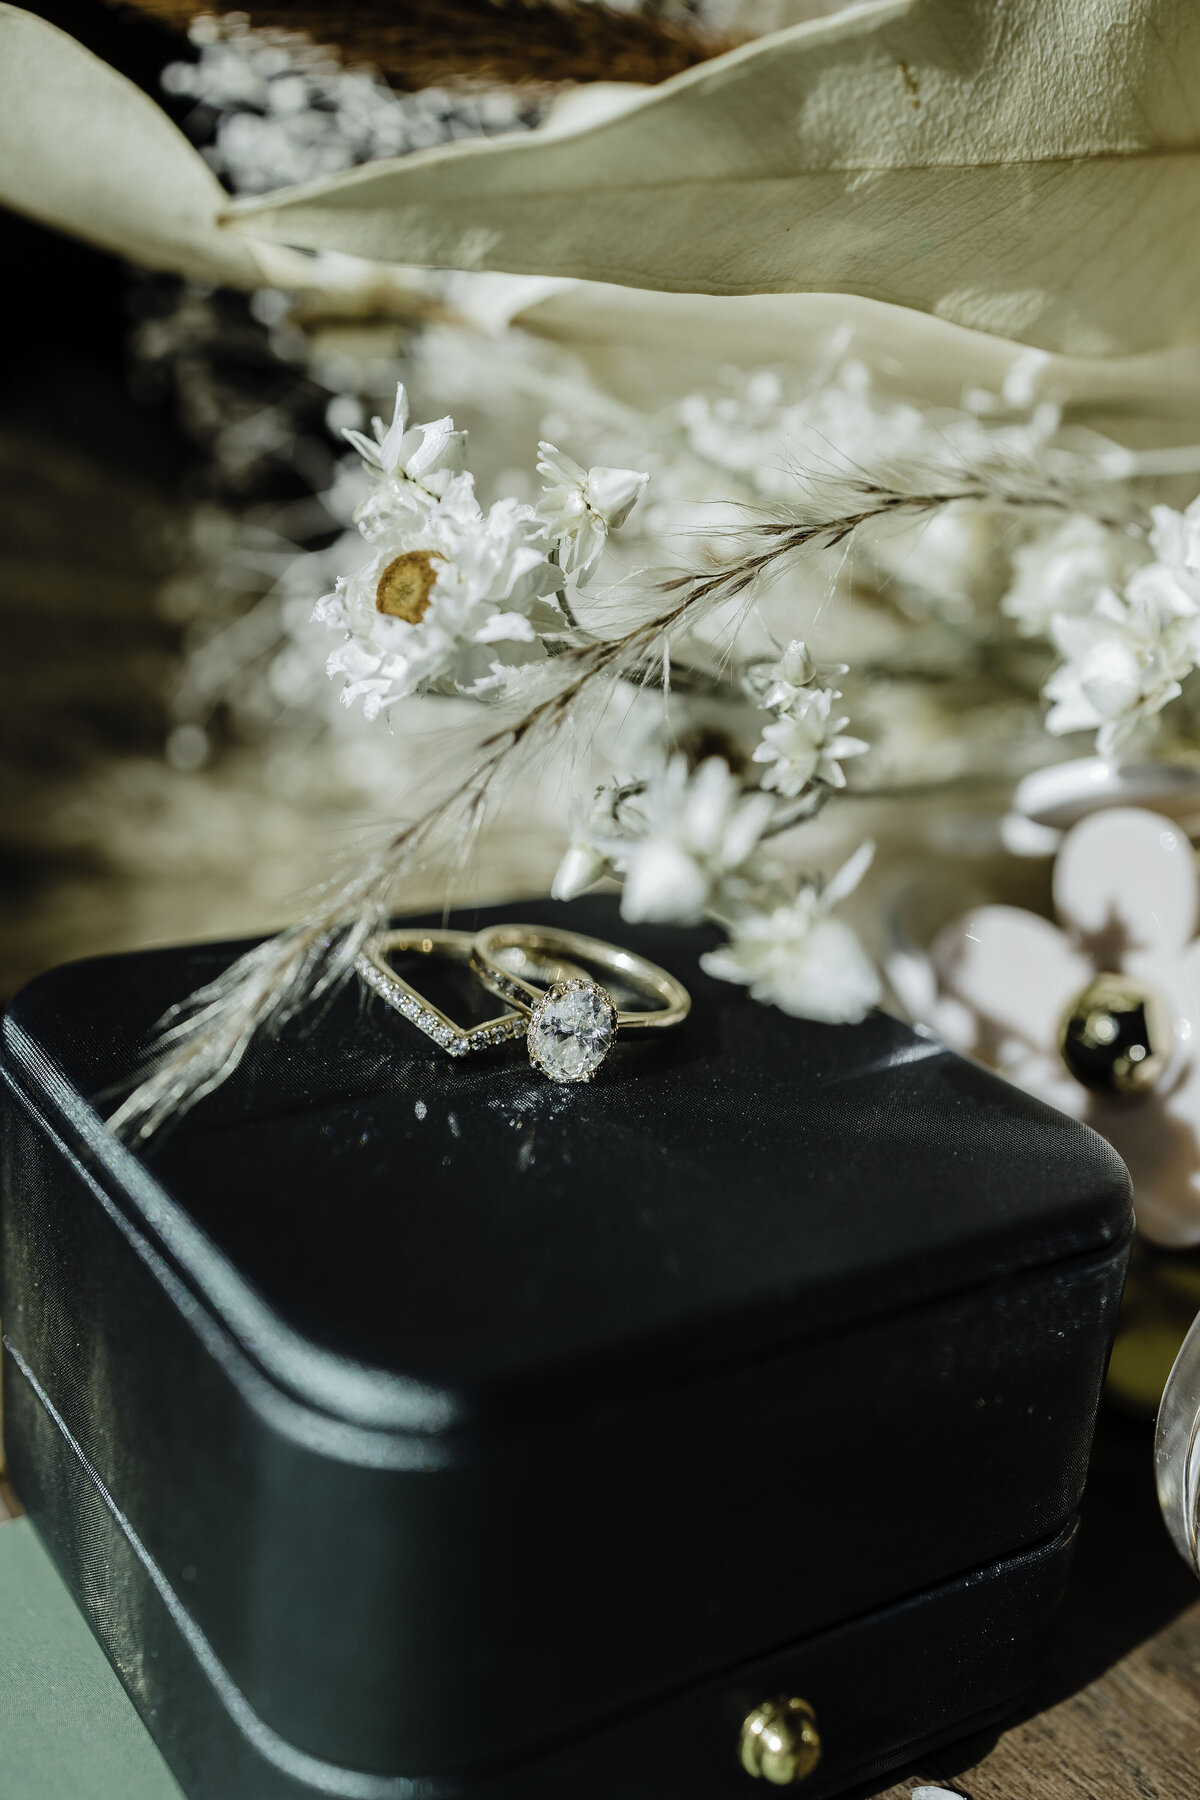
{"x":573,"y":1021}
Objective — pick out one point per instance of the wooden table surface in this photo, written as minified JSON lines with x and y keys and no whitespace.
{"x":1117,"y":1716}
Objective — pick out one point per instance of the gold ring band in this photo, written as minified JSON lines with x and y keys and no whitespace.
{"x":376,"y":971}
{"x":546,"y":944}
{"x":574,"y":1023}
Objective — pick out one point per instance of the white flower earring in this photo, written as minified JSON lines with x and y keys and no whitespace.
{"x":1099,"y":1015}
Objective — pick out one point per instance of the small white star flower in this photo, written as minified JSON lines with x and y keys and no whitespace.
{"x":806,"y":744}
{"x":428,"y":456}
{"x":581,"y":506}
{"x":700,"y":838}
{"x":777,"y":686}
{"x":450,"y":599}
{"x":1124,"y":662}
{"x":799,"y":958}
{"x":787,"y":679}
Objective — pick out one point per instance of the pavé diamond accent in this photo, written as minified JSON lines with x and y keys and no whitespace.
{"x":572,"y":1031}
{"x":484,"y":1036}
{"x":454,"y":1039}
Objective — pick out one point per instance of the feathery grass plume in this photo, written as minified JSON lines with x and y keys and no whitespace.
{"x":205,"y":1038}
{"x":425,"y":43}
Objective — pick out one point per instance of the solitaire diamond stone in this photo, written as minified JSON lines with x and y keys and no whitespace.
{"x":572,"y":1031}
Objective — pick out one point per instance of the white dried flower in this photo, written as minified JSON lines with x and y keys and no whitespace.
{"x":701,"y":833}
{"x":581,"y":506}
{"x":596,"y":838}
{"x":1124,"y":662}
{"x":777,"y":686}
{"x":1066,"y":570}
{"x":771,"y":434}
{"x":582,"y":866}
{"x":428,"y":456}
{"x":807,"y":744}
{"x":452,"y":598}
{"x":799,"y":958}
{"x":1175,"y":540}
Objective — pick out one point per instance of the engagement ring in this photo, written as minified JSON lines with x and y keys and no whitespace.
{"x":573,"y":1021}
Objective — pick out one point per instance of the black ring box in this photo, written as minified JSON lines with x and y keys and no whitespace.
{"x":411,"y":1427}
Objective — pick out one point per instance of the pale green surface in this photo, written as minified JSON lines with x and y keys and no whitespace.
{"x":67,"y":1729}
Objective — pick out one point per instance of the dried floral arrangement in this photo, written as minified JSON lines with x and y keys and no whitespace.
{"x":734,"y":574}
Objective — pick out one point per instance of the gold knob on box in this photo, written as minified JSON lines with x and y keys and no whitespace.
{"x":780,"y":1742}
